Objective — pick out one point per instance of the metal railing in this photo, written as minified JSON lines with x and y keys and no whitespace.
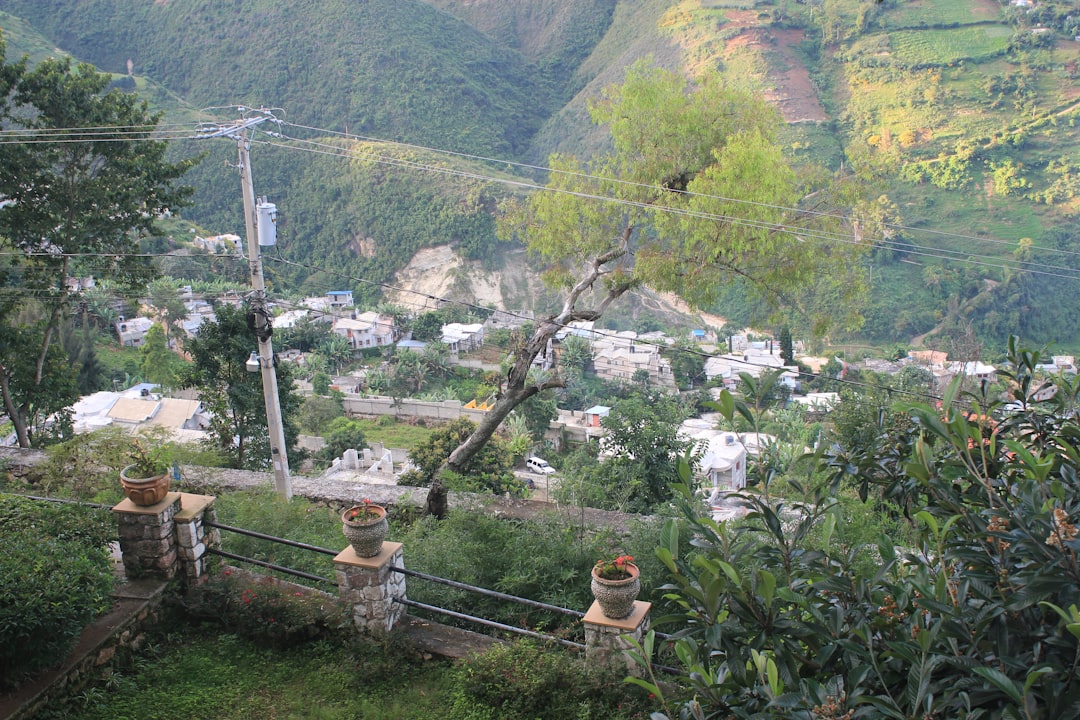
{"x":408,"y":573}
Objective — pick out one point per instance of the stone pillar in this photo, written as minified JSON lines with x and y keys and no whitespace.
{"x":604,"y":638}
{"x":193,"y":537}
{"x":148,"y":537}
{"x":369,"y":587}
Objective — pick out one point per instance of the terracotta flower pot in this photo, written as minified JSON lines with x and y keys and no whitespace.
{"x":144,"y":491}
{"x":365,"y":536}
{"x":616,"y":597}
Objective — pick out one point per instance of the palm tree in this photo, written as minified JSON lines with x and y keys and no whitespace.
{"x":337,"y":350}
{"x":170,"y":309}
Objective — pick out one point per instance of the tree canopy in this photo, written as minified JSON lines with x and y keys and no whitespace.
{"x":72,"y":207}
{"x":234,"y":396}
{"x":694,"y":194}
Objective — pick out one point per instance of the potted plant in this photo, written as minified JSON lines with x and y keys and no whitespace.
{"x":615,"y":585}
{"x":146,"y":479}
{"x":365,"y":527}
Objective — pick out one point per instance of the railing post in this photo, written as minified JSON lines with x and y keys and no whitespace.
{"x":371,"y":588}
{"x":148,"y":537}
{"x":605,"y":638}
{"x":167,"y":538}
{"x":194,"y":539}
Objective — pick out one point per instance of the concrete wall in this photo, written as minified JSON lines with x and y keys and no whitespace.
{"x":407,"y":407}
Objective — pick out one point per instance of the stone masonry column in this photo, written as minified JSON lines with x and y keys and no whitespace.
{"x":194,"y":539}
{"x":370,"y":587}
{"x":148,"y":537}
{"x":604,"y":638}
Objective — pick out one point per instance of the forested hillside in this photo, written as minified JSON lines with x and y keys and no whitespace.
{"x":961,"y":114}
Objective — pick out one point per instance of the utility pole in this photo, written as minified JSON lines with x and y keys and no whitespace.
{"x":259,"y":224}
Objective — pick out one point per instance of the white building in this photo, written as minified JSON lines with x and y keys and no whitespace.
{"x":462,"y":338}
{"x":132,"y":332}
{"x":722,"y":465}
{"x":338,"y":299}
{"x":368,"y":329}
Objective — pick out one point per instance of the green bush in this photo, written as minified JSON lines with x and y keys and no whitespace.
{"x":298,"y":519}
{"x":972,"y":615}
{"x":544,"y":559}
{"x":523,"y":681}
{"x":55,"y":577}
{"x":267,"y":610}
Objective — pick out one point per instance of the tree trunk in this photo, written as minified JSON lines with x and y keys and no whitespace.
{"x":487,"y":427}
{"x":17,"y":418}
{"x":518,"y":389}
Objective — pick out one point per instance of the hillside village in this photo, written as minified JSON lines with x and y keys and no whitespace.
{"x":617,"y":357}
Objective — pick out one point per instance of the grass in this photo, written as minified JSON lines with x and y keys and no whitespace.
{"x":927,"y":12}
{"x":202,"y":674}
{"x":394,"y":435}
{"x":923,"y":47}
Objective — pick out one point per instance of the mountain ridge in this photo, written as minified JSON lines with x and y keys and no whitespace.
{"x":959,"y":111}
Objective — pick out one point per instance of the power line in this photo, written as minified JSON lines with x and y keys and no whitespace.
{"x":948,"y":254}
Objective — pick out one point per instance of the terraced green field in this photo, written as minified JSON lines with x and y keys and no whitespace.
{"x":920,"y":48}
{"x":931,"y":13}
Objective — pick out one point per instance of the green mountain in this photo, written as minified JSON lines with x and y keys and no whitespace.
{"x":962,"y":112}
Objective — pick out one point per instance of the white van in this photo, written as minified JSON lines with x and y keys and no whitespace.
{"x":540,"y":466}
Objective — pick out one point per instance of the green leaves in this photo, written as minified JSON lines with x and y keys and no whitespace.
{"x":973,"y":614}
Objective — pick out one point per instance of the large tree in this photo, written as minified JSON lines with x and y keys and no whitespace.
{"x":644,"y":446}
{"x":234,"y":396}
{"x":74,"y":200}
{"x":168,"y":306}
{"x":694,"y":194}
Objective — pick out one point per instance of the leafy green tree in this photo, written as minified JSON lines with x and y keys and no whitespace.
{"x":168,"y":306}
{"x":680,"y":153}
{"x":317,"y":412}
{"x":575,"y":353}
{"x":305,"y":335}
{"x":975,"y":617}
{"x":787,"y":349}
{"x":99,"y":304}
{"x":538,"y":412}
{"x":320,"y":383}
{"x":37,"y":390}
{"x":337,"y":351}
{"x":160,"y":364}
{"x":342,"y":433}
{"x":75,"y":207}
{"x":234,"y":396}
{"x":436,"y":356}
{"x":643,"y":443}
{"x":428,"y":326}
{"x":80,"y":344}
{"x":687,"y":363}
{"x":490,"y":469}
{"x":762,"y":392}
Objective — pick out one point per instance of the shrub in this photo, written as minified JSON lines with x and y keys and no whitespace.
{"x":270,"y":611}
{"x":523,"y":681}
{"x":976,"y":616}
{"x":55,"y":577}
{"x":543,"y":559}
{"x":298,"y":519}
